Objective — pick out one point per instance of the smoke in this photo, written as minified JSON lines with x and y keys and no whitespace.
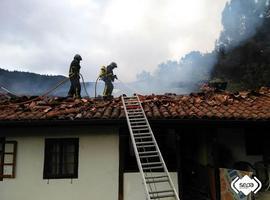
{"x":178,"y":76}
{"x":240,"y":20}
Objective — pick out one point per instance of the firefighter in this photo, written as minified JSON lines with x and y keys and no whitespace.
{"x":108,"y":77}
{"x":74,"y":76}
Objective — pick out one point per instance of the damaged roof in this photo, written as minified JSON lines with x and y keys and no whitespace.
{"x":252,"y":105}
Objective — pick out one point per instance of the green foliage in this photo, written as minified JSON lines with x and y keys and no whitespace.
{"x":247,"y":66}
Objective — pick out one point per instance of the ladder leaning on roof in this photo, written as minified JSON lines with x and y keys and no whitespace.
{"x":156,"y":179}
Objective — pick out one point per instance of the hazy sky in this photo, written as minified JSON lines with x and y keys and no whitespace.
{"x":43,"y":36}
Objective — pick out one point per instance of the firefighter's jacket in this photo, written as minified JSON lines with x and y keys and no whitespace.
{"x":74,"y":70}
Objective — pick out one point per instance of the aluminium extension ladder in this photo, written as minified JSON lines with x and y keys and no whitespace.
{"x":156,"y":179}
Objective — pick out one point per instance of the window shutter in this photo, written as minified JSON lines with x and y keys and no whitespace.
{"x":2,"y":147}
{"x":9,"y":164}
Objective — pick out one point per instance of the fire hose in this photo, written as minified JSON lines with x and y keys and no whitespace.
{"x":61,"y":83}
{"x":41,"y":96}
{"x":48,"y":92}
{"x":84,"y":86}
{"x":128,"y":87}
{"x":96,"y":86}
{"x":9,"y":93}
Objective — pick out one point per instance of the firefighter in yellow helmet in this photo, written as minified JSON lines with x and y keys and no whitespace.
{"x":107,"y":75}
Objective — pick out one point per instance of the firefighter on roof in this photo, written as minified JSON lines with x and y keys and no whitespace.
{"x":107,"y":75}
{"x":74,"y":76}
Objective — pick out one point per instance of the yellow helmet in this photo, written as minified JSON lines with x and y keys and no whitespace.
{"x":102,"y":71}
{"x":103,"y":68}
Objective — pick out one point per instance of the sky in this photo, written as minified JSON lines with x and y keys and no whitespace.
{"x":43,"y":36}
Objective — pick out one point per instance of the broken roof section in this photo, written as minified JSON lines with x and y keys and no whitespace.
{"x":252,"y":105}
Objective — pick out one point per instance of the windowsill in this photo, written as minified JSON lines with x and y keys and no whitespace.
{"x":60,"y":177}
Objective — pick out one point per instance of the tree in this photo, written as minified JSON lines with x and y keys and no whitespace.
{"x":248,"y":64}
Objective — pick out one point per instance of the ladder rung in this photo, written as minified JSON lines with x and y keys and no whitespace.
{"x":147,"y":152}
{"x":134,"y":111}
{"x":147,"y":142}
{"x":155,"y":177}
{"x":156,"y":167}
{"x":161,"y":191}
{"x":143,"y":137}
{"x":137,"y":119}
{"x":145,"y":146}
{"x":162,"y":196}
{"x":139,"y":129}
{"x":151,"y":163}
{"x":150,"y":156}
{"x":157,"y":181}
{"x":139,"y":122}
{"x":132,"y":101}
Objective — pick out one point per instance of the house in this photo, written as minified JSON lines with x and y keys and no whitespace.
{"x":57,"y":148}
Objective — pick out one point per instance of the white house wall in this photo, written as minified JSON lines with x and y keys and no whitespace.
{"x":98,"y":170}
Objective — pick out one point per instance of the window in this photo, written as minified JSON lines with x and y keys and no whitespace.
{"x":61,"y":158}
{"x":8,"y":150}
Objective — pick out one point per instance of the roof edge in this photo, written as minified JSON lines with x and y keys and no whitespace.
{"x":121,"y":122}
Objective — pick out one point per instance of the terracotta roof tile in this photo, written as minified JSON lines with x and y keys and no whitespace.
{"x":253,"y":105}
